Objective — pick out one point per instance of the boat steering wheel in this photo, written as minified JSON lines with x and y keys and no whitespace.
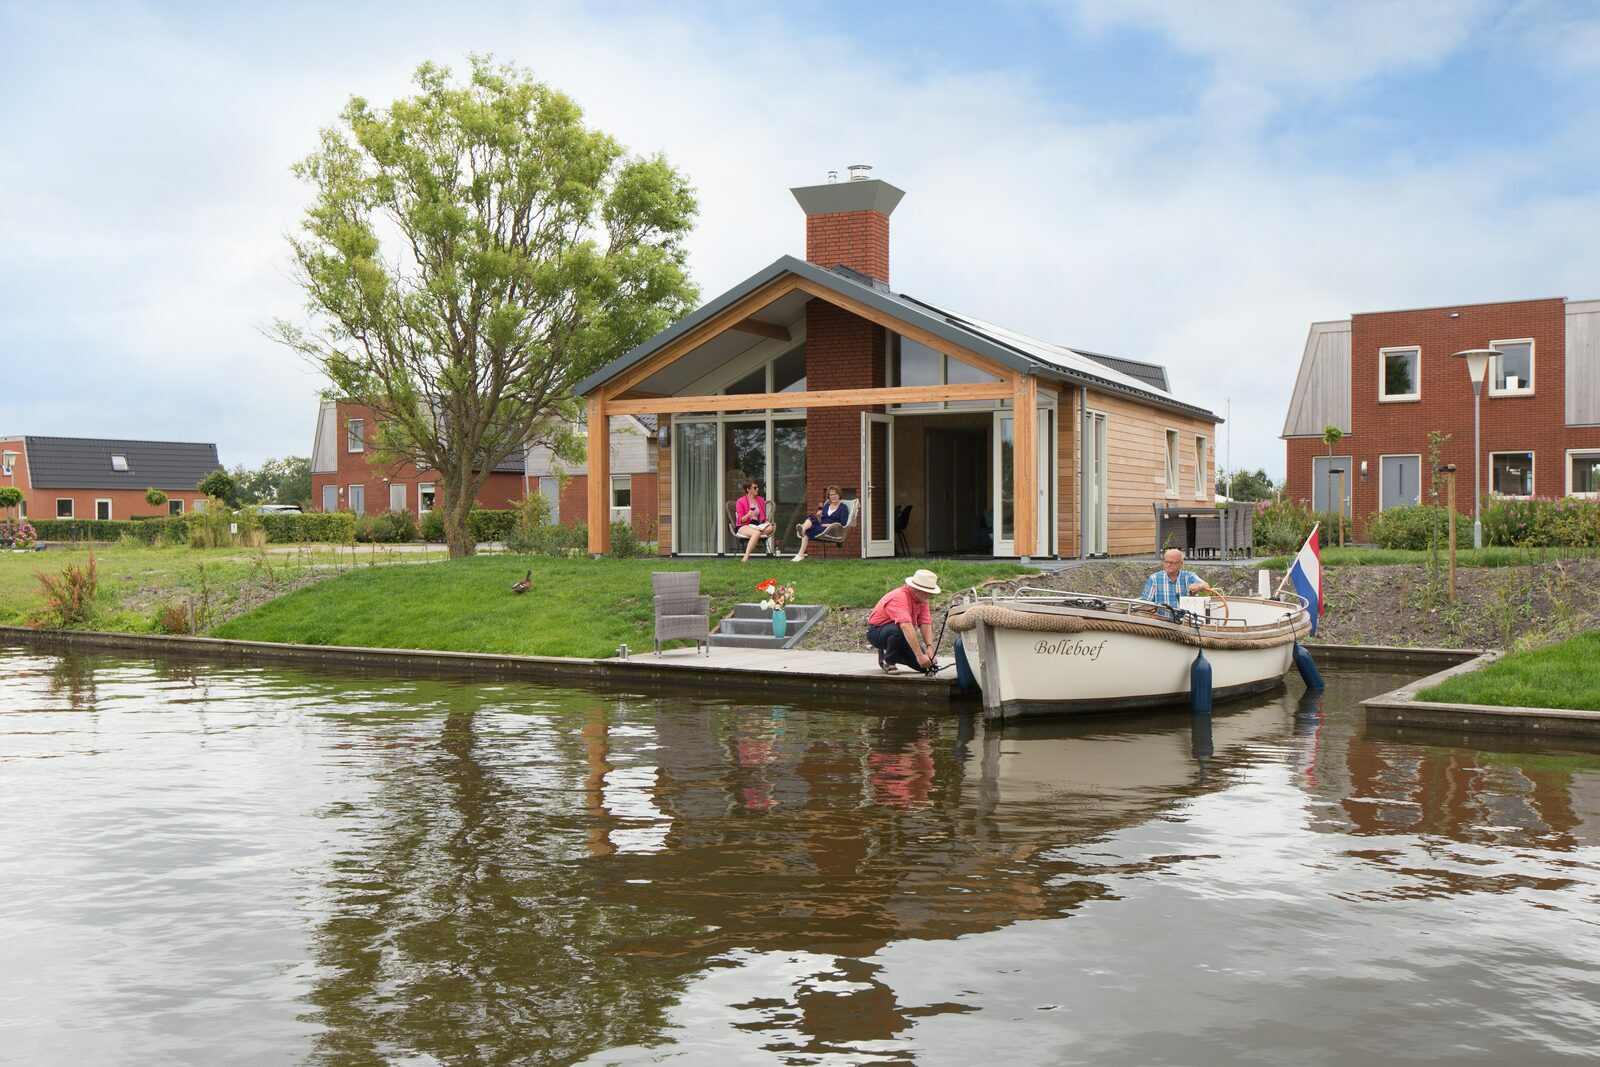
{"x":1218,"y":594}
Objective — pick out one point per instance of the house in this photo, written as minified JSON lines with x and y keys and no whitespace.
{"x":97,"y":478}
{"x":957,"y":435}
{"x":1386,"y":379}
{"x":347,"y":476}
{"x":632,"y":488}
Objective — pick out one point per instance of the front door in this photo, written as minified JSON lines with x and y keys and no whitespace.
{"x":397,"y":496}
{"x":1003,"y":508}
{"x":330,"y":498}
{"x":1401,"y":478}
{"x":877,"y":485}
{"x":358,"y":499}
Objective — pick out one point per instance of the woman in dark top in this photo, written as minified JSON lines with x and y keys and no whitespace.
{"x":830,"y":515}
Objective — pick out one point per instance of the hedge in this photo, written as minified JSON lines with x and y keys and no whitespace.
{"x":1567,"y":522}
{"x":336,"y":527}
{"x":1408,"y":526}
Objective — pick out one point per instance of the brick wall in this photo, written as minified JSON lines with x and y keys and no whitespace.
{"x":843,"y":351}
{"x":125,"y":503}
{"x":1534,"y":422}
{"x":857,"y":239}
{"x":575,"y":503}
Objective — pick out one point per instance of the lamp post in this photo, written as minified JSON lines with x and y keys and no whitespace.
{"x":8,"y":461}
{"x":1478,"y":369}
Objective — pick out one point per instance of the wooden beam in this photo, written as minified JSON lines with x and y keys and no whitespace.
{"x":599,"y":467}
{"x":763,"y":329}
{"x":906,"y":329}
{"x":822,"y":398}
{"x":774,"y":290}
{"x":1025,"y":465}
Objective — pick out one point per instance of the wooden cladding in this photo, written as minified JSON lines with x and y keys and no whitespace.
{"x":822,"y":398}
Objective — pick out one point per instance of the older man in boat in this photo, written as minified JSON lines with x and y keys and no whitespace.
{"x":1169,"y":583}
{"x":901,"y":626}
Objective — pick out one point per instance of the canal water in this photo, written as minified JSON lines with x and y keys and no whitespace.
{"x":205,"y":864}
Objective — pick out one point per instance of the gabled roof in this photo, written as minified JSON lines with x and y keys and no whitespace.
{"x":1017,"y":351}
{"x":85,"y":463}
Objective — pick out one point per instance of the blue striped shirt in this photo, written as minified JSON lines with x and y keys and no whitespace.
{"x":1160,"y":589}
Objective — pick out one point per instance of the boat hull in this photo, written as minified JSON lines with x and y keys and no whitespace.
{"x":1028,"y":672}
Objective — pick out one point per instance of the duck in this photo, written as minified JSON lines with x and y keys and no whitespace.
{"x":524,"y":585}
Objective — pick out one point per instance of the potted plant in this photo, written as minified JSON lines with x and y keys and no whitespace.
{"x":777,"y":597}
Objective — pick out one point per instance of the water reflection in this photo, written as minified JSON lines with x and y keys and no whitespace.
{"x":462,"y":873}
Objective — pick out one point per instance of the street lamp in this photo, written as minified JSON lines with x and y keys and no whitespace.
{"x":1478,"y":368}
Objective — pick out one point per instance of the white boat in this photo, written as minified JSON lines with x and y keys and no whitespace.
{"x":1044,"y":652}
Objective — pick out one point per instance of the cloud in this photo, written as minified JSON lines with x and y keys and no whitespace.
{"x":146,"y":155}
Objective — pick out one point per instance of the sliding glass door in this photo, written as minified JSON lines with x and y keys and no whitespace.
{"x":713,"y":458}
{"x":696,"y":518}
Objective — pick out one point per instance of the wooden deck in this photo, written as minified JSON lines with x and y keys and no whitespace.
{"x":844,"y":673}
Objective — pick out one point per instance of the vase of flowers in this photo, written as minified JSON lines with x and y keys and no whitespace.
{"x":777,"y":597}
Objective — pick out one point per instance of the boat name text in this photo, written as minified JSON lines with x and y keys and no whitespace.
{"x":1070,"y":647}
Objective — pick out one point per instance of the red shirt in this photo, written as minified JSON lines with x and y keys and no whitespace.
{"x":901,"y":605}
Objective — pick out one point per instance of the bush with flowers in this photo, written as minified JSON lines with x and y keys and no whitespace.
{"x":777,"y":595}
{"x":17,"y":533}
{"x":1565,"y":522}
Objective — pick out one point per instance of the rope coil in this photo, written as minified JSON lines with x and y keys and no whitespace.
{"x":967,"y":617}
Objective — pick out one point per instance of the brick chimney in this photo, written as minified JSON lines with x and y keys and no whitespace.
{"x":847,"y":223}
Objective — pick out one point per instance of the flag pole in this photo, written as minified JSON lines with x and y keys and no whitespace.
{"x":1290,"y":571}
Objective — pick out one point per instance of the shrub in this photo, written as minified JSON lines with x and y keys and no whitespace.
{"x":68,"y":598}
{"x":172,"y":619}
{"x":531,"y":527}
{"x":374,"y":529}
{"x":624,"y":542}
{"x":486,"y":525}
{"x":219,"y":484}
{"x":17,"y":533}
{"x":154,"y":497}
{"x":210,"y":528}
{"x":432,"y":525}
{"x":173,"y":530}
{"x":405,"y":526}
{"x":1567,"y":522}
{"x":1409,"y":526}
{"x":1283,"y":528}
{"x":337,"y":527}
{"x":10,"y":496}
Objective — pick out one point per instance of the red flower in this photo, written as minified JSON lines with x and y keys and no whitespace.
{"x":768,"y":586}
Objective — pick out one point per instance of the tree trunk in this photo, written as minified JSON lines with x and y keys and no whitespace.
{"x":456,"y":534}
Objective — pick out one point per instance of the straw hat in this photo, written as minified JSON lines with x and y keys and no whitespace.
{"x":925,"y":582}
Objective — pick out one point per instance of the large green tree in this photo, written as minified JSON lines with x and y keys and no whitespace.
{"x":276,"y":481}
{"x":471,"y":253}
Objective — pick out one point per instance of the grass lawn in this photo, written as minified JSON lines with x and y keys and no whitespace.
{"x":1562,"y":675}
{"x":135,"y":582}
{"x":577,"y":607}
{"x":1465,"y":557}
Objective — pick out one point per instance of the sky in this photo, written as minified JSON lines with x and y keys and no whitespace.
{"x":1189,"y":184}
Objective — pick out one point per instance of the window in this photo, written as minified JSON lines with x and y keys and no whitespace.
{"x":174,"y":507}
{"x":1399,"y":374}
{"x":119,"y":463}
{"x":102,"y":509}
{"x":397,"y":496}
{"x":1172,"y":462}
{"x":425,"y":496}
{"x":1583,"y":473}
{"x":354,"y":441}
{"x":1511,"y":473}
{"x":913,"y":363}
{"x":622,"y":490}
{"x":200,"y":507}
{"x":1200,"y":451}
{"x":550,"y":489}
{"x":63,"y":507}
{"x":1511,"y":372}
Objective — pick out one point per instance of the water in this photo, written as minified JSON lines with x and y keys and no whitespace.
{"x":237,"y":865}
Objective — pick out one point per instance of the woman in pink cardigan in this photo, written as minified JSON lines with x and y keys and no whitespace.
{"x":750,"y":517}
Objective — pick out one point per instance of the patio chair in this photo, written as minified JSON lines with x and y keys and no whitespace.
{"x":682,"y":613}
{"x":828,"y":540}
{"x":737,"y":542}
{"x":902,"y":519}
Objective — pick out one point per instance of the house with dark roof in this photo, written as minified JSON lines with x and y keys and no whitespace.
{"x":953,"y":434}
{"x":96,"y":478}
{"x":631,"y":486}
{"x":347,"y":475}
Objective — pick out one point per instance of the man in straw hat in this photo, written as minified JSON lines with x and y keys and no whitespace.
{"x":901,"y":626}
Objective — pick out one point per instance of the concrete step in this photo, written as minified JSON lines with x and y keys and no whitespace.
{"x":751,"y":627}
{"x":721,"y":640}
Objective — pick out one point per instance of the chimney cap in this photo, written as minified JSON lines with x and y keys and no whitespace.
{"x":859,"y":194}
{"x":860,"y":172}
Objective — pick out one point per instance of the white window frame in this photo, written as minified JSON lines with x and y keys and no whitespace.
{"x":355,"y":435}
{"x":72,"y":507}
{"x":1173,"y":459}
{"x":1383,"y":376}
{"x":892,"y":349}
{"x":1202,"y":452}
{"x":107,"y":503}
{"x":1533,"y":367}
{"x":1382,"y":496}
{"x":199,"y":507}
{"x":116,"y":456}
{"x":628,"y":478}
{"x":404,"y":495}
{"x":1571,"y":454}
{"x":426,"y":489}
{"x":1533,"y":473}
{"x":174,"y":507}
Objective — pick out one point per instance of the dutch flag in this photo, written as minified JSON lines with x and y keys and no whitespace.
{"x":1306,"y":576}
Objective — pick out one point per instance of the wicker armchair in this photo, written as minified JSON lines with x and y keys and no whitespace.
{"x":827,"y":539}
{"x":682,"y":613}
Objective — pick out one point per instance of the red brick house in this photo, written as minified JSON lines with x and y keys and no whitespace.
{"x":631,"y":493}
{"x":96,"y":478}
{"x":952,"y":434}
{"x":1387,"y":379}
{"x":346,"y":477}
